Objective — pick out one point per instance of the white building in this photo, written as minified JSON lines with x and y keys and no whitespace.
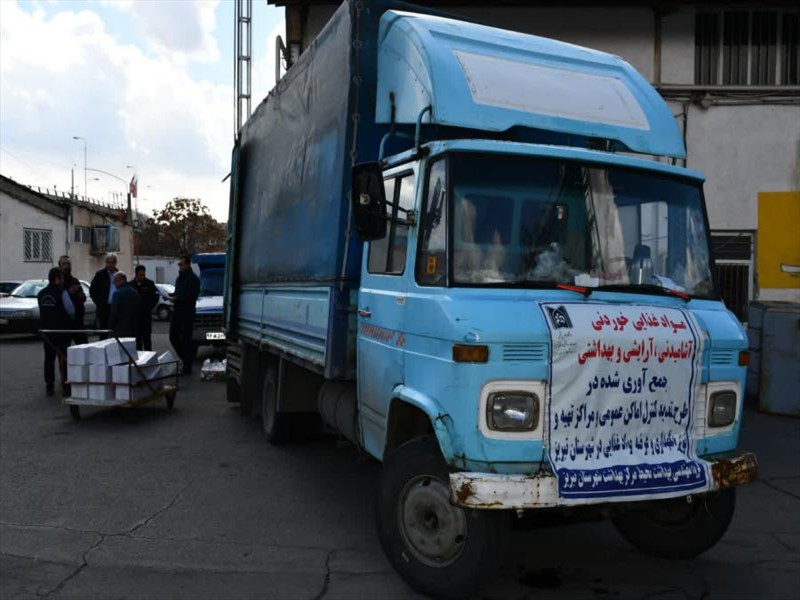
{"x":161,"y":269}
{"x":730,"y":71}
{"x":37,"y":228}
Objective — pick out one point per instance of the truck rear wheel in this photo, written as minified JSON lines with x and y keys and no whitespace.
{"x":275,"y":425}
{"x":676,"y":528}
{"x":438,"y":548}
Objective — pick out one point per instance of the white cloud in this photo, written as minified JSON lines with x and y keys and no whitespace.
{"x":181,"y":30}
{"x":65,"y":75}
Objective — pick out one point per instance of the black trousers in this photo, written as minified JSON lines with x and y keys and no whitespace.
{"x":50,"y":358}
{"x":144,"y":339}
{"x":79,"y":338}
{"x":103,"y":315}
{"x":180,"y":335}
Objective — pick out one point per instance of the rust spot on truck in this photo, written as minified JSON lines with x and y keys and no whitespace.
{"x":734,"y":472}
{"x":465,"y":492}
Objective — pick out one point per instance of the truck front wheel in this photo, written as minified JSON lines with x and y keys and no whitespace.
{"x":438,"y":548}
{"x":676,"y":528}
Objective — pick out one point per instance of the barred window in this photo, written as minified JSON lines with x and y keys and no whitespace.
{"x":105,"y":238}
{"x":38,"y":245}
{"x":740,"y":47}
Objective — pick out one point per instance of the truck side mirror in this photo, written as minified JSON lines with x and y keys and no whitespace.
{"x":369,"y":201}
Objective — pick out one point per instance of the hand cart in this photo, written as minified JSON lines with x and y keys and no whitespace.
{"x":156,"y":386}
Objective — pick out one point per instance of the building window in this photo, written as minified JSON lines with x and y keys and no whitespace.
{"x":740,"y":47}
{"x":83,"y":235}
{"x":105,"y":238}
{"x":38,"y":245}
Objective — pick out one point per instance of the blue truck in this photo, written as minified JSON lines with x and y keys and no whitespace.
{"x":475,"y":255}
{"x":208,"y":327}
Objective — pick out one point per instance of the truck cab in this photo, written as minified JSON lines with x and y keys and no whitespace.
{"x":486,"y":264}
{"x":208,"y":312}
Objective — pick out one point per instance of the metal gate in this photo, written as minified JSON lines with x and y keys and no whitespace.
{"x":733,"y":251}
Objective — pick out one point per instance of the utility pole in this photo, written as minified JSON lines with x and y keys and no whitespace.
{"x":85,"y":178}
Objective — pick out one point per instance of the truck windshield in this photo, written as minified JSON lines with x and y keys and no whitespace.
{"x":211,"y":282}
{"x":533,"y":221}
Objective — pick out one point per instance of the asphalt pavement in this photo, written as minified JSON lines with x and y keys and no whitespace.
{"x":193,"y":503}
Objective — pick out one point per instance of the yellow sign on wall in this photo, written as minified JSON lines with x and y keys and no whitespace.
{"x":778,"y":249}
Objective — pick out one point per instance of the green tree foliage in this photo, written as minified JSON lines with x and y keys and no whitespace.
{"x":183,"y":226}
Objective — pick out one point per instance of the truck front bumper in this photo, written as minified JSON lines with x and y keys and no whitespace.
{"x":502,"y":492}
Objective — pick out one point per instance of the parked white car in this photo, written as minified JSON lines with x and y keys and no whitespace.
{"x":19,"y":312}
{"x":163,"y":309}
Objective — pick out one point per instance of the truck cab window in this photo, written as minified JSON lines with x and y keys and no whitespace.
{"x":388,"y":256}
{"x":432,"y":263}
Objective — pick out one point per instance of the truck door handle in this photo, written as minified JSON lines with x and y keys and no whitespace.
{"x":364,"y":312}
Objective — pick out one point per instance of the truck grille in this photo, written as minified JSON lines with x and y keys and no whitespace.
{"x":524,"y":352}
{"x":722,"y":357}
{"x":208,"y":320}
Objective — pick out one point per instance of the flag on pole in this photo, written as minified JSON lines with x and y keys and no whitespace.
{"x":134,"y":185}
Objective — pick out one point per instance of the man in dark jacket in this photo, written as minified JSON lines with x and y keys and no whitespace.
{"x":55,"y":312}
{"x":76,"y":295}
{"x":148,"y":295}
{"x":187,"y":289}
{"x":126,"y":308}
{"x":101,"y":290}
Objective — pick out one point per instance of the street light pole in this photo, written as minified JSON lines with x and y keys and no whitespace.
{"x":85,"y":178}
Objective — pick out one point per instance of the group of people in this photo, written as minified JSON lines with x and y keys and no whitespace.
{"x":123,"y":307}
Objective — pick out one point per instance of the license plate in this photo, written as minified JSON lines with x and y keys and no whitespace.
{"x":215,"y":335}
{"x":3,"y":321}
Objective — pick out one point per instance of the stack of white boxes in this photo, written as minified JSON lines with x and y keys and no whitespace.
{"x":101,"y":372}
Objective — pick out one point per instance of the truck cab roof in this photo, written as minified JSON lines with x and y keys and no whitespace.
{"x":482,"y":78}
{"x":547,"y":151}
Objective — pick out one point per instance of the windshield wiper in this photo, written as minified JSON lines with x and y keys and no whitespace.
{"x":517,"y":284}
{"x":643,"y":288}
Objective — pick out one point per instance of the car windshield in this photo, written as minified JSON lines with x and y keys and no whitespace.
{"x":211,"y":282}
{"x":535,"y":221}
{"x":29,"y":289}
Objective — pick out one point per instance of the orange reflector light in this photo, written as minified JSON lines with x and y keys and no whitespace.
{"x":744,"y":358}
{"x":468,"y":353}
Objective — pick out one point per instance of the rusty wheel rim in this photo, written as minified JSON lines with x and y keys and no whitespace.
{"x":433,"y":529}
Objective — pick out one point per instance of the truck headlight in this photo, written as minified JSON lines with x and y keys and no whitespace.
{"x":512,"y":411}
{"x":722,"y":409}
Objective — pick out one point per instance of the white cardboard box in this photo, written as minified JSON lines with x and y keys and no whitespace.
{"x":102,"y":392}
{"x":125,"y":374}
{"x":80,"y":391}
{"x":78,"y":354}
{"x":115,"y":355}
{"x":167,"y":370}
{"x":99,"y":374}
{"x":77,"y":373}
{"x":97,"y":352}
{"x":124,"y":392}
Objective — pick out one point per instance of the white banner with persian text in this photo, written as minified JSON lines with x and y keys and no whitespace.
{"x":623,"y":384}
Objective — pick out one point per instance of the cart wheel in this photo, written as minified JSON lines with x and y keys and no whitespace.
{"x":75,"y":412}
{"x":170,"y":400}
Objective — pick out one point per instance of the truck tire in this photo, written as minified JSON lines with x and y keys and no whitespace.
{"x":439,"y":549}
{"x":275,"y":425}
{"x":676,"y":528}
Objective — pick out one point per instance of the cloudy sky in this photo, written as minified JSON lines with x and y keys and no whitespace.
{"x":147,"y":83}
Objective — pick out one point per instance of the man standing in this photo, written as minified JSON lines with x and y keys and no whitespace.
{"x":148,"y":295}
{"x":76,"y":295}
{"x":187,"y":289}
{"x":55,"y":312}
{"x":126,"y":308}
{"x":101,"y":290}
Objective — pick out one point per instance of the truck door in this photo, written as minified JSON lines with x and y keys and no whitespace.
{"x":381,"y":311}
